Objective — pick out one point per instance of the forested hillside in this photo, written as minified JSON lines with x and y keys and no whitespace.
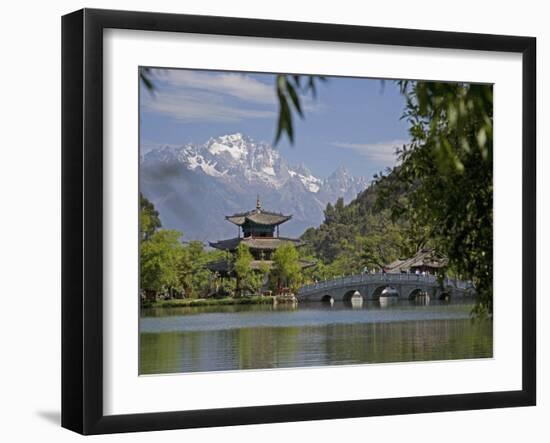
{"x":441,"y":193}
{"x":364,"y":233}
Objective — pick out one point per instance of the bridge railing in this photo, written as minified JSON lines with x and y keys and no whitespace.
{"x":381,"y":278}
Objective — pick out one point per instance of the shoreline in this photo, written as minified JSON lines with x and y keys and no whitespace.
{"x":227,"y":301}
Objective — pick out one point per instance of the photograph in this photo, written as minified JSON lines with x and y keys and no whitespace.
{"x":244,"y":222}
{"x":297,"y":220}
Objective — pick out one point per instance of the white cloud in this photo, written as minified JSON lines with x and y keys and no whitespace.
{"x":380,"y":152}
{"x":192,"y":106}
{"x":240,"y":86}
{"x":192,"y":96}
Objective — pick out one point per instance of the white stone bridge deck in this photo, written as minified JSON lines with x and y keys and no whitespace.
{"x":370,"y":286}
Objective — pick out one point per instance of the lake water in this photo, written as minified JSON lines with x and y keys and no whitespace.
{"x":224,"y":338}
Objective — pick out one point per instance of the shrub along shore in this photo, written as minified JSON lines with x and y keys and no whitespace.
{"x":190,"y":302}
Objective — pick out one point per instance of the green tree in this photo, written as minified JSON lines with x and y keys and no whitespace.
{"x":241,"y":265}
{"x":149,"y":220}
{"x":319,"y":272}
{"x":159,"y":257}
{"x":286,"y":266}
{"x":386,"y":240}
{"x":329,"y":213}
{"x":263,"y":275}
{"x":288,"y":88}
{"x":146,"y":77}
{"x":446,"y":176}
{"x":193,"y":276}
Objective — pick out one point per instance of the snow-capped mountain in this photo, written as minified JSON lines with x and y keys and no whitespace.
{"x":195,"y":186}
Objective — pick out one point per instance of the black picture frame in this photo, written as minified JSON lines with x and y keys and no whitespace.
{"x":82,"y":218}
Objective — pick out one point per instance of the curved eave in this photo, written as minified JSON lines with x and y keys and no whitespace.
{"x":262,"y":219}
{"x":258,"y":243}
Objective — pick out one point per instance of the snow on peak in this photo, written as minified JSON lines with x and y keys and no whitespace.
{"x":310,"y":182}
{"x":235,"y":152}
{"x":269,"y":170}
{"x":234,"y":145}
{"x":197,"y":161}
{"x":231,"y":138}
{"x":236,"y":157}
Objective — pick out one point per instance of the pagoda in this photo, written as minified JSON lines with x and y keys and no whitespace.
{"x":259,"y":230}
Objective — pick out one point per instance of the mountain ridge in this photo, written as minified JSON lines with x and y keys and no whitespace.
{"x":194,"y":186}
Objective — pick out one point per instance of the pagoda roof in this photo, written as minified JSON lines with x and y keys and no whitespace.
{"x":259,"y":217}
{"x":423,"y":258}
{"x":254,"y":242}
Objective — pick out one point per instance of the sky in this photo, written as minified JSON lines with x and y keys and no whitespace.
{"x":352,"y":122}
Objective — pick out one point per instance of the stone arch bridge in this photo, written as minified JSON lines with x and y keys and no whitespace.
{"x":370,"y":286}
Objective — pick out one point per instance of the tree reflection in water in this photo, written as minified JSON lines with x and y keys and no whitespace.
{"x":259,"y":337}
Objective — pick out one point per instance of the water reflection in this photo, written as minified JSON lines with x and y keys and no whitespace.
{"x":254,"y":337}
{"x":386,"y":302}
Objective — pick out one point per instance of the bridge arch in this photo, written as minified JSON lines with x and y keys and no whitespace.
{"x":353,"y":293}
{"x":378,"y":291}
{"x":327,"y":298}
{"x":414,"y":293}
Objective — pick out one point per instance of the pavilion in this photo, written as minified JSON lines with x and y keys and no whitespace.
{"x":259,"y":230}
{"x":424,"y":261}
